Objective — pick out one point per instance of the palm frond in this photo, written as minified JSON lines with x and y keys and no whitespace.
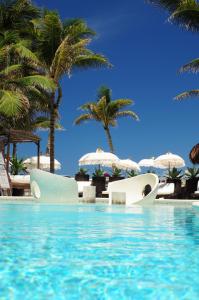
{"x":11,"y":70}
{"x":43,"y":123}
{"x":38,"y":81}
{"x":187,"y":15}
{"x":170,"y":5}
{"x":77,"y":29}
{"x":87,"y":106}
{"x":91,"y":61}
{"x":8,"y":38}
{"x":188,"y":94}
{"x":127,"y":113}
{"x":25,"y":53}
{"x":120,"y":103}
{"x":104,"y":91}
{"x":66,"y":56}
{"x":193,"y":66}
{"x":12,"y":103}
{"x":83,"y":118}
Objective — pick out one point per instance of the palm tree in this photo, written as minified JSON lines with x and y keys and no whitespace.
{"x":106,"y":111}
{"x":62,"y":49}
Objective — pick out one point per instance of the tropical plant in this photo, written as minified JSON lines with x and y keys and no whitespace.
{"x":82,"y":171}
{"x":62,"y":47}
{"x":17,"y":166}
{"x":174,"y":173}
{"x":191,"y":173}
{"x":98,"y":172}
{"x":132,"y":173}
{"x":106,"y":111}
{"x":116,"y":172}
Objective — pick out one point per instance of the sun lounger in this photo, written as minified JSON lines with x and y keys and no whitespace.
{"x":47,"y":187}
{"x":132,"y":189}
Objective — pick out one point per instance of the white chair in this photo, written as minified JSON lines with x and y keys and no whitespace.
{"x":134,"y":188}
{"x":47,"y":187}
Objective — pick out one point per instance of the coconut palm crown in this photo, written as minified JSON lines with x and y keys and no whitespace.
{"x":106,"y":111}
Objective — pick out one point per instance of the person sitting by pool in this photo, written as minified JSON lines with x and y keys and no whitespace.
{"x":147,"y":189}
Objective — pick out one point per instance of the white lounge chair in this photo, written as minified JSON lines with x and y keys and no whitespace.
{"x":49,"y":187}
{"x":133,"y":189}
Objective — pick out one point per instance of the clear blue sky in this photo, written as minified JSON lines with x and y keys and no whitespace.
{"x":146,"y":52}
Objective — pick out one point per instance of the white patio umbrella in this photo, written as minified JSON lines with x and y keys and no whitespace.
{"x":98,"y":158}
{"x":126,"y":164}
{"x":31,"y":163}
{"x":169,"y":160}
{"x":147,"y":162}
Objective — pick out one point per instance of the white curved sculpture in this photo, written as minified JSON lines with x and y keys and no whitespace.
{"x":47,"y":187}
{"x":134,"y":187}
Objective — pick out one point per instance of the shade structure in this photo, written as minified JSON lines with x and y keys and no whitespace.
{"x":194,"y":154}
{"x":169,"y":160}
{"x":147,"y":162}
{"x":98,"y":158}
{"x":125,"y":164}
{"x":31,"y":163}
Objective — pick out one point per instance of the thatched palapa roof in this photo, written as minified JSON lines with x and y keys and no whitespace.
{"x":194,"y":154}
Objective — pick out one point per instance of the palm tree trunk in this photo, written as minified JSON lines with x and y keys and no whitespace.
{"x":109,"y":138}
{"x":52,"y":134}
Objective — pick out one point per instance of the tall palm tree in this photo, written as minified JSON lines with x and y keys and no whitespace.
{"x":106,"y":111}
{"x":63,"y":48}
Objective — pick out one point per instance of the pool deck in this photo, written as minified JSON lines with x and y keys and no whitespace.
{"x":10,"y":199}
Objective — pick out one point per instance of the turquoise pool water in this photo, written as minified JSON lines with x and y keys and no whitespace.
{"x":98,"y":252}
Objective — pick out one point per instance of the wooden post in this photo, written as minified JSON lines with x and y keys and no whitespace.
{"x":14,"y":151}
{"x":38,"y":155}
{"x":8,"y":155}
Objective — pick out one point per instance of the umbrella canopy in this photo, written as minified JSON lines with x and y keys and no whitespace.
{"x":126,"y":164}
{"x":148,"y":162}
{"x":31,"y":163}
{"x":194,"y":154}
{"x":98,"y":158}
{"x":169,"y":160}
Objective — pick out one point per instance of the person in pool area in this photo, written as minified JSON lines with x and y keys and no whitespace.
{"x":147,"y":189}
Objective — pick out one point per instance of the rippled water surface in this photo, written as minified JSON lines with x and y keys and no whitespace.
{"x":98,"y":252}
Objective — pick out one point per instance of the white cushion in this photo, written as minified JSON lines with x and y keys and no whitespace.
{"x":20,"y":178}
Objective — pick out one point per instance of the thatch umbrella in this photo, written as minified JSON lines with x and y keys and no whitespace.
{"x":194,"y":155}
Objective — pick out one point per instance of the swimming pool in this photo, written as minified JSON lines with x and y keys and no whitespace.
{"x":98,"y":252}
